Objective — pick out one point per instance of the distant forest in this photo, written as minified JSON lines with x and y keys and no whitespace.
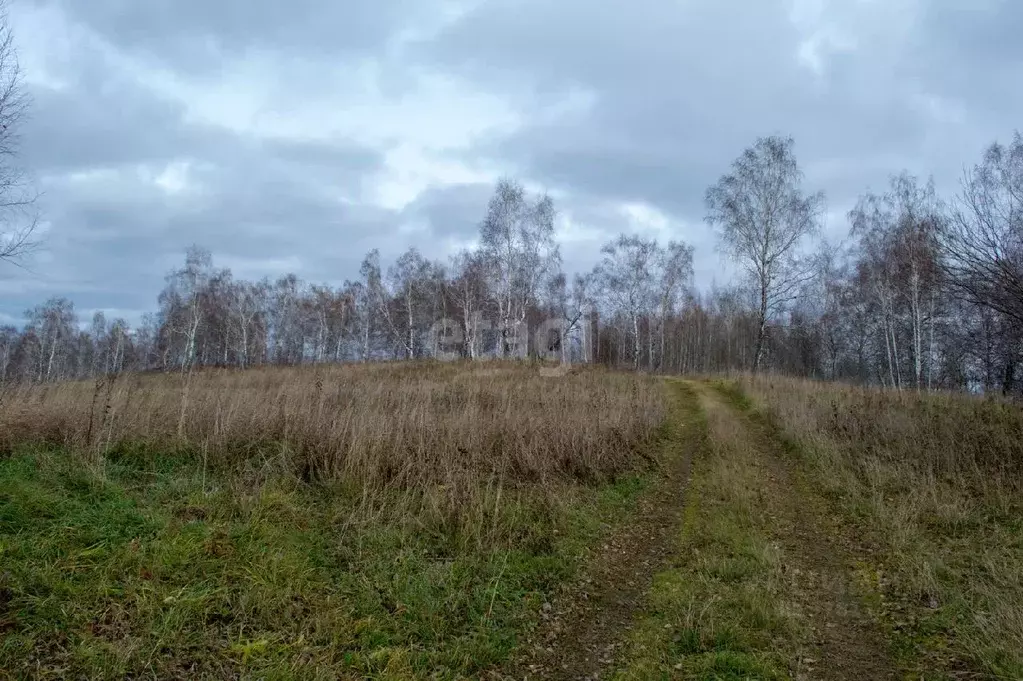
{"x":925,"y":293}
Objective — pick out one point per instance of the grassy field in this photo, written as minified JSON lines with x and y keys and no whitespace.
{"x":931,"y":486}
{"x":391,"y":521}
{"x":402,"y":521}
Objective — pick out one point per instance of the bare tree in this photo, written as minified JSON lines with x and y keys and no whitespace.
{"x":17,"y":200}
{"x":469,"y":292}
{"x":675,"y":273}
{"x":409,"y":279}
{"x":625,"y":277}
{"x":763,"y":218}
{"x":117,"y":343}
{"x":376,"y":300}
{"x":982,"y":241}
{"x":181,"y":302}
{"x":517,"y":242}
{"x":55,"y":322}
{"x":247,"y":302}
{"x":896,"y":235}
{"x":9,"y":337}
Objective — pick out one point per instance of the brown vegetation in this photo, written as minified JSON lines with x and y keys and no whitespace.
{"x":933,"y":482}
{"x":387,"y":521}
{"x":409,"y":427}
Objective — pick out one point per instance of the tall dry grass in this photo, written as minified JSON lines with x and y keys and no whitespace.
{"x":387,"y":521}
{"x":937,"y":481}
{"x":452,"y":427}
{"x":962,"y":438}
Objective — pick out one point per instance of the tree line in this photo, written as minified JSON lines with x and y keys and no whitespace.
{"x":925,"y":293}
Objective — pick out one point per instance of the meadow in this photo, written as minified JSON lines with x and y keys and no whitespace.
{"x":390,"y":520}
{"x":489,"y":520}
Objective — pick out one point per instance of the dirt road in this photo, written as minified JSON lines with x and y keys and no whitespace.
{"x":588,"y":632}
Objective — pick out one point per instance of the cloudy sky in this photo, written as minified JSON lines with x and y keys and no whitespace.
{"x":295,"y":136}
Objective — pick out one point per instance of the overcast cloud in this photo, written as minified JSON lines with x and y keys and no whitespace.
{"x":296,"y":136}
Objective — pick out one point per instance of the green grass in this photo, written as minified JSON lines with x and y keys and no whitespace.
{"x":910,"y":477}
{"x":720,"y":612}
{"x":151,"y":566}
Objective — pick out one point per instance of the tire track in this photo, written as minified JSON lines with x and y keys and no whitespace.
{"x":582,"y":631}
{"x":844,"y":642}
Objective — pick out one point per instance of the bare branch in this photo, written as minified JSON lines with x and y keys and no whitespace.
{"x":762,"y":218}
{"x":18,"y":222}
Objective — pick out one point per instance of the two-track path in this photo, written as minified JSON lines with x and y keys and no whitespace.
{"x":581,"y":634}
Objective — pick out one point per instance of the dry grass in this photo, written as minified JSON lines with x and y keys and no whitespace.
{"x":381,"y":521}
{"x":936,"y":482}
{"x":409,"y":427}
{"x":954,"y":437}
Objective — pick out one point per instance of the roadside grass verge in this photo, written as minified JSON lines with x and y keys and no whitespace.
{"x":722,"y":610}
{"x":931,"y":487}
{"x":178,"y":559}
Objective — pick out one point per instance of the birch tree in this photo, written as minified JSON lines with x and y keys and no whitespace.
{"x":896,"y":234}
{"x":409,"y":279}
{"x":517,"y":242}
{"x":287,"y":338}
{"x":763,"y":218}
{"x":9,"y":338}
{"x":674,"y":274}
{"x":55,"y":322}
{"x":182,"y":301}
{"x":99,"y":337}
{"x":376,"y":300}
{"x":469,"y":293}
{"x":247,"y":302}
{"x":625,"y":277}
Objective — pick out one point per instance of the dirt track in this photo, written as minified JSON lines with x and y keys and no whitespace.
{"x":845,"y":644}
{"x":581,"y":634}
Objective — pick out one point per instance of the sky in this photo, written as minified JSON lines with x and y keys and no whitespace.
{"x":295,"y":136}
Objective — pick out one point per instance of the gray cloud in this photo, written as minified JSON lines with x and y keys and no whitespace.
{"x":101,"y":123}
{"x":643,"y":102}
{"x":680,"y":88}
{"x":116,"y":234}
{"x":190,"y":33}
